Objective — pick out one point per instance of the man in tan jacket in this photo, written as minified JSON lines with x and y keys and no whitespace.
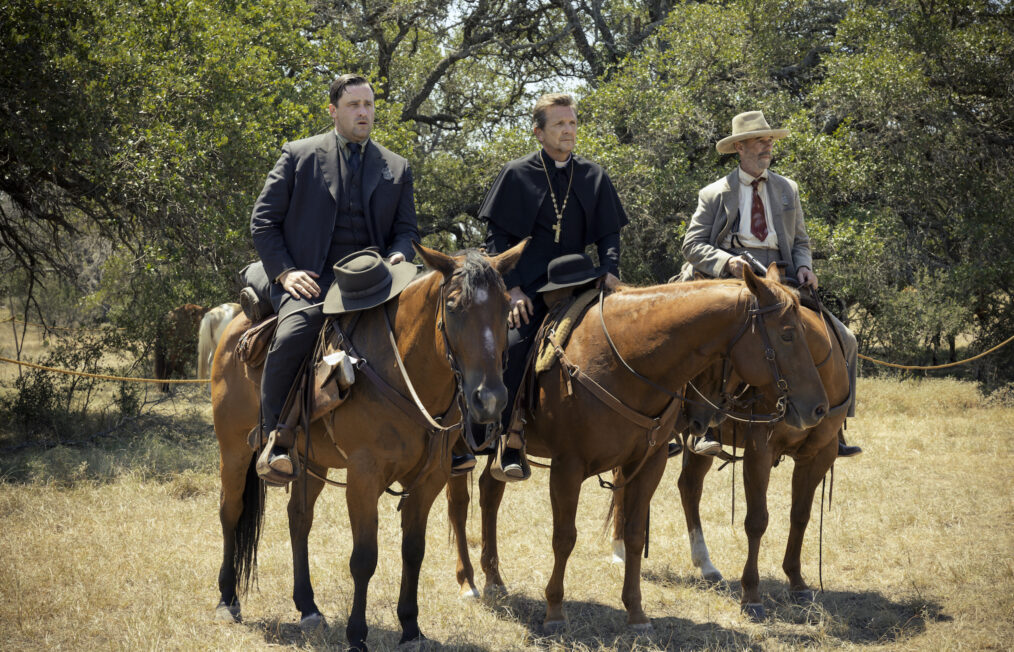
{"x":755,"y":211}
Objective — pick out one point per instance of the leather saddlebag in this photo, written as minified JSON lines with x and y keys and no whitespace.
{"x":334,"y":372}
{"x":252,"y":347}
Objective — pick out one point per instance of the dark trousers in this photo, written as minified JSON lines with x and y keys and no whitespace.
{"x":297,"y":331}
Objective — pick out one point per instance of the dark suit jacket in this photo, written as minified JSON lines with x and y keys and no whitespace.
{"x":294,"y":215}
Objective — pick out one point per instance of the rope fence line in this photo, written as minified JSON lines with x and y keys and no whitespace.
{"x":59,"y":328}
{"x":194,"y":381}
{"x":938,"y":366}
{"x":85,"y":374}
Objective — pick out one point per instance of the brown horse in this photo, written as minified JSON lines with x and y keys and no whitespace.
{"x":813,"y":451}
{"x":176,"y":341}
{"x":668,"y":333}
{"x":455,"y":314}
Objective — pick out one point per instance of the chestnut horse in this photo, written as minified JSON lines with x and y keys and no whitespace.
{"x":453,"y":315}
{"x":813,"y":452}
{"x":668,"y":333}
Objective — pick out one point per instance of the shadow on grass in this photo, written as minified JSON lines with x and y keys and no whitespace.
{"x":857,"y":617}
{"x":289,"y":634}
{"x":595,"y":625}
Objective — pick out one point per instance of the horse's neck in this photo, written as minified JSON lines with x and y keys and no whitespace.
{"x":672,"y":333}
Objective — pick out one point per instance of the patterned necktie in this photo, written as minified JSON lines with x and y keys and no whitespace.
{"x":758,"y":225}
{"x":354,"y":159}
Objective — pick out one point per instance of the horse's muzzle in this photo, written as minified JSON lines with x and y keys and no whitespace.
{"x":486,"y":403}
{"x":805,"y":420}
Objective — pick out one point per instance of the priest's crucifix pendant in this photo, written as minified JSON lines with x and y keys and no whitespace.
{"x":556,"y":230}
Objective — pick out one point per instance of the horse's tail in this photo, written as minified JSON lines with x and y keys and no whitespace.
{"x":248,"y":529}
{"x":205,"y":345}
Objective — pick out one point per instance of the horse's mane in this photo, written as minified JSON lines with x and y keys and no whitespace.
{"x":474,"y":274}
{"x":789,"y":297}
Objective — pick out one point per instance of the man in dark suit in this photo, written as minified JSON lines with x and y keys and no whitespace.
{"x":328,"y":196}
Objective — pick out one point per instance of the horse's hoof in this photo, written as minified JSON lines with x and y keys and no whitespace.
{"x":641,"y":628}
{"x":619,"y":552}
{"x":312,"y":624}
{"x":551,"y":627}
{"x":803,"y":597}
{"x":228,"y":613}
{"x":713,"y":577}
{"x":494,"y":591}
{"x":468,"y":593}
{"x":754,"y":610}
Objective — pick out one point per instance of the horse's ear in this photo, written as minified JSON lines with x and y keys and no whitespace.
{"x":505,"y":262}
{"x":757,"y":286}
{"x":774,"y":271}
{"x":434,"y":259}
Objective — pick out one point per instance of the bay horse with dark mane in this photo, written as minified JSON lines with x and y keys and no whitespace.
{"x":450,"y":330}
{"x":667,"y":334}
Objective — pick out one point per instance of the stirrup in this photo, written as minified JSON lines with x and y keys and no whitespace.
{"x":276,"y":470}
{"x":514,"y":472}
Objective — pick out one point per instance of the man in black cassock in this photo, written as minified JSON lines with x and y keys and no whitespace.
{"x":565,"y":203}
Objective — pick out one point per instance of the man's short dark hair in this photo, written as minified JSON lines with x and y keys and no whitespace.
{"x":339,"y":85}
{"x":548,"y":100}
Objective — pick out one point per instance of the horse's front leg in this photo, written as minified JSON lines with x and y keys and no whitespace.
{"x":300,"y":521}
{"x":565,"y":479}
{"x":691,"y":485}
{"x":415,"y":513}
{"x":806,"y":475}
{"x":457,"y":513}
{"x":756,"y":474}
{"x":361,"y":496}
{"x":490,"y":496}
{"x":636,"y":501}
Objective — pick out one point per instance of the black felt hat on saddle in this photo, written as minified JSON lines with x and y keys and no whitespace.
{"x":364,"y":280}
{"x":570,"y":270}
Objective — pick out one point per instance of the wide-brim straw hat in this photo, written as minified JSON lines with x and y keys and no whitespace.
{"x":365,"y":280}
{"x":748,"y":125}
{"x":570,"y":270}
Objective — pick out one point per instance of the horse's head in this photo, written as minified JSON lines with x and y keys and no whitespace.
{"x":773,"y":354}
{"x":711,"y":393}
{"x":473,"y":321}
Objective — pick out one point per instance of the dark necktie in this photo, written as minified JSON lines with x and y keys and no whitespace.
{"x":758,"y":225}
{"x":354,"y":160}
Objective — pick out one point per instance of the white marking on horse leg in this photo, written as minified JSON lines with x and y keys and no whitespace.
{"x":699,"y":555}
{"x":619,"y":552}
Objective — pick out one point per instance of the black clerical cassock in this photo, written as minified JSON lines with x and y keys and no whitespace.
{"x":519,"y":205}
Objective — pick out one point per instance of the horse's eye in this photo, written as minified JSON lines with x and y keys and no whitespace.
{"x":788,"y":334}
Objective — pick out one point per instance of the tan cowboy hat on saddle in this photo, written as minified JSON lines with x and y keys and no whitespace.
{"x":748,"y":125}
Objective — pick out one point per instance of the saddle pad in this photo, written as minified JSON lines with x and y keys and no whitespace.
{"x":562,"y":329}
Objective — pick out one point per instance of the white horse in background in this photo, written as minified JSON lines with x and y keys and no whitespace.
{"x":212,"y":326}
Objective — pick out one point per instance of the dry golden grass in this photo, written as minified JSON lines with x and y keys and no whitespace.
{"x":117,"y":547}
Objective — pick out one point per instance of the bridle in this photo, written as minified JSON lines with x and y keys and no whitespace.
{"x":414,"y":408}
